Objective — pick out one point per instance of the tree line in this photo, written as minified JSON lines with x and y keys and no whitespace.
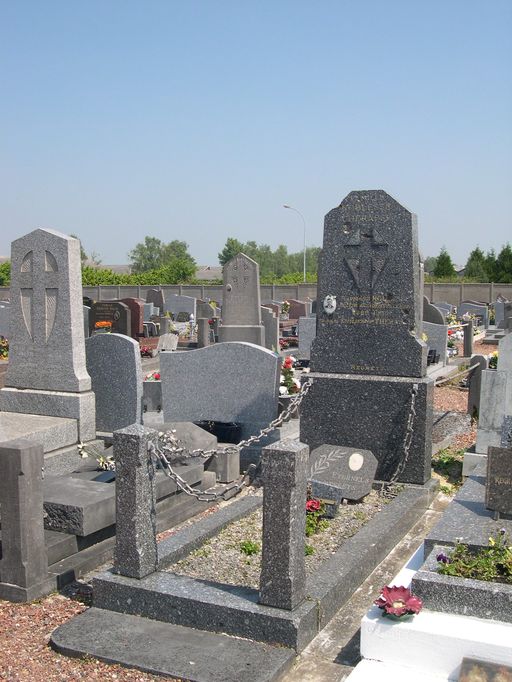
{"x":156,"y":262}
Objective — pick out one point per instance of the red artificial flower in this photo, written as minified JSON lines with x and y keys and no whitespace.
{"x":312,"y":505}
{"x":156,"y":375}
{"x":398,"y":601}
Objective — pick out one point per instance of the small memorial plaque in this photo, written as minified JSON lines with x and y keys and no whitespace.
{"x":498,"y":489}
{"x":473,"y":670}
{"x":339,"y":473}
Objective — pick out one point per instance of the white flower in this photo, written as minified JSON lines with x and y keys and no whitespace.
{"x":283,"y":390}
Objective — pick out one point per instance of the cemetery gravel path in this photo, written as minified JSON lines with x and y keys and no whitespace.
{"x":25,"y":628}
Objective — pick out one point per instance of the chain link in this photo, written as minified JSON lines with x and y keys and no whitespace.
{"x":409,"y":435}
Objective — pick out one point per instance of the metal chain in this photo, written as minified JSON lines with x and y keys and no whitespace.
{"x":409,"y":434}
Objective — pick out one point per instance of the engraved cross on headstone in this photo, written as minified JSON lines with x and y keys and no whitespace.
{"x":38,"y":280}
{"x":366,"y":255}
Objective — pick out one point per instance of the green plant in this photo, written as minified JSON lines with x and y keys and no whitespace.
{"x":493,"y":360}
{"x":492,"y":563}
{"x":249,"y":547}
{"x":4,"y":348}
{"x":308,"y":550}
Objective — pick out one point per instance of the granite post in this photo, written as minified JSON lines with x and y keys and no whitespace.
{"x":136,"y":552}
{"x":283,"y":567}
{"x":24,"y":562}
{"x":468,"y":339}
{"x":203,"y":332}
{"x":241,"y":314}
{"x":368,"y":365}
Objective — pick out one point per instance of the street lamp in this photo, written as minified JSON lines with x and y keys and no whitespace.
{"x":304,"y":223}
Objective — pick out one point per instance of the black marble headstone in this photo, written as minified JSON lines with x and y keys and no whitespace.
{"x":118,"y":314}
{"x":369,"y":273}
{"x":498,"y":488}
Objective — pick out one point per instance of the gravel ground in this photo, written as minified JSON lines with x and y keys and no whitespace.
{"x":221,"y":559}
{"x":25,"y":628}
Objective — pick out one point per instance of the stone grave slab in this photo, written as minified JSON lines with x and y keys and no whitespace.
{"x":307,"y":334}
{"x":437,"y":339}
{"x":136,"y":306}
{"x":338,"y":473}
{"x":114,"y":364}
{"x":52,"y":432}
{"x":498,"y":488}
{"x":169,"y":650}
{"x":77,"y":505}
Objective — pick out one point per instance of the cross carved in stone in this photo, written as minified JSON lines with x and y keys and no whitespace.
{"x":366,"y":256}
{"x":38,"y":282}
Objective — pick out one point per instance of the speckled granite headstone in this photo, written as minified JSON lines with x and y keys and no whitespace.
{"x":156,"y":297}
{"x":431,"y":313}
{"x":368,"y":290}
{"x":46,"y":344}
{"x":114,"y":364}
{"x":338,"y":473}
{"x":241,"y":316}
{"x":498,"y":487}
{"x":506,"y":433}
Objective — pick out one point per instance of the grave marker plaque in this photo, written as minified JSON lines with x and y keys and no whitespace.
{"x":115,"y":312}
{"x":338,"y":473}
{"x":498,"y":488}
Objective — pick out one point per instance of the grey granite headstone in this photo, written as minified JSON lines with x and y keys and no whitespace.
{"x":226,"y":382}
{"x":115,"y":312}
{"x":496,"y":398}
{"x":338,"y":473}
{"x":437,"y":339}
{"x":444,"y":307}
{"x":113,"y":361}
{"x":479,"y":310}
{"x":203,"y":332}
{"x":180,"y":304}
{"x":241,"y":314}
{"x":136,"y":553}
{"x":369,"y":388}
{"x":431,"y":313}
{"x":498,"y":488}
{"x":271,"y":324}
{"x":499,"y":312}
{"x":283,"y":568}
{"x":87,"y":311}
{"x":307,"y":334}
{"x":24,"y":562}
{"x":156,"y":297}
{"x":46,"y":374}
{"x":468,"y":339}
{"x":369,"y":267}
{"x":204,"y":311}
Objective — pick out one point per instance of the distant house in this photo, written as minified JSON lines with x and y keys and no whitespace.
{"x":118,"y":269}
{"x":205,"y":272}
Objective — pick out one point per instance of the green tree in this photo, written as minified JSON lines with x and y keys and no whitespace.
{"x":475,"y":266}
{"x":504,"y":265}
{"x":444,"y":266}
{"x":230,"y":250}
{"x":429,"y":264}
{"x":490,"y":265}
{"x":5,"y":273}
{"x":153,"y":254}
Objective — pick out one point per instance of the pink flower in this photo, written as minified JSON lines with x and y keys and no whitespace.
{"x":312,"y":505}
{"x":398,"y":601}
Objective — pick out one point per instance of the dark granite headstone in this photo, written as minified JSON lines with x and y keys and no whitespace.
{"x":115,"y":312}
{"x":156,"y":297}
{"x":136,"y":306}
{"x":338,"y":473}
{"x":506,"y":432}
{"x":297,"y":309}
{"x":498,"y":489}
{"x":368,"y":285}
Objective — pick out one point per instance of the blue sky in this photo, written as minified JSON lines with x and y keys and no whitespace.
{"x":198,"y":120}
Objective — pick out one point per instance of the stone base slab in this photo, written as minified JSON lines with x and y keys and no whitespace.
{"x":79,"y":406}
{"x":51,"y":432}
{"x":20,"y":595}
{"x":371,"y":412}
{"x":236,"y":611}
{"x":169,"y":650}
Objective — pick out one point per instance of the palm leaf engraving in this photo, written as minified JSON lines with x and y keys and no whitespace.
{"x":325,"y":461}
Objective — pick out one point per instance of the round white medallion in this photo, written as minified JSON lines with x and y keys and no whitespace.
{"x":355,"y":461}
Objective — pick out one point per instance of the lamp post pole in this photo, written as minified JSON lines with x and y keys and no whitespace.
{"x":304,"y":224}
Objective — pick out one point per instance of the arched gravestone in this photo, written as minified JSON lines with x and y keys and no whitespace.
{"x":113,"y":361}
{"x":431,"y":313}
{"x":369,"y":388}
{"x":46,"y":374}
{"x":241,"y":314}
